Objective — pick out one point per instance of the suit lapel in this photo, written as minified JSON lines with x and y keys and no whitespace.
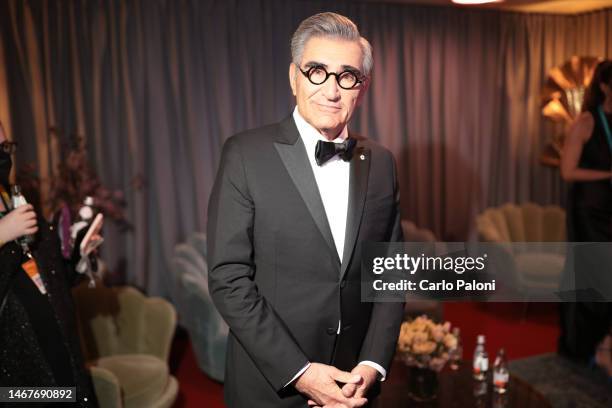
{"x":358,"y":187}
{"x":293,"y":155}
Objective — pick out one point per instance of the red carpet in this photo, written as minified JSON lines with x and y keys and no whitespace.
{"x":196,"y":390}
{"x":504,"y":325}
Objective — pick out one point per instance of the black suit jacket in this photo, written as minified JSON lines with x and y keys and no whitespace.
{"x":274,"y":272}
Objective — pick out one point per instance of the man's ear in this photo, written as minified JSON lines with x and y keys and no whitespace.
{"x":292,"y":78}
{"x":365,"y":85}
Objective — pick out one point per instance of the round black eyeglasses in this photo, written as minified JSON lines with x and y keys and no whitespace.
{"x":346,"y":79}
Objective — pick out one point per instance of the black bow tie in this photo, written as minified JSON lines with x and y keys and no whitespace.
{"x":326,"y":150}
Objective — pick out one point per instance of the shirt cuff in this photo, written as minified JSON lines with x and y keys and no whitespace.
{"x":295,"y":377}
{"x":377,"y":367}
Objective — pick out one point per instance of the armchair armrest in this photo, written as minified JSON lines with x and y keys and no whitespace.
{"x":106,"y":386}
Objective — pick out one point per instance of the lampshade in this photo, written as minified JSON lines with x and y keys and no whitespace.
{"x":562,"y":97}
{"x":563,"y":92}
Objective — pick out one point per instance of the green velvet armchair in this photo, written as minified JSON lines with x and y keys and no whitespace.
{"x":536,"y":268}
{"x":126,"y":340}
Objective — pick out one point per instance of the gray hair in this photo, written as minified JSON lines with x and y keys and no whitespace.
{"x":329,"y":25}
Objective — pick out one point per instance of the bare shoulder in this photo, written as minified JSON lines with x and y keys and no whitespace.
{"x":582,"y":127}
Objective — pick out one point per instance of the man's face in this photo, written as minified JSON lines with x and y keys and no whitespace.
{"x":328,"y":107}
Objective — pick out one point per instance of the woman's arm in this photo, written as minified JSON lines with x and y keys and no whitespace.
{"x":578,"y":135}
{"x":17,"y":223}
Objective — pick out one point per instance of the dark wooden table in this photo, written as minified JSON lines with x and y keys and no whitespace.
{"x":458,"y":389}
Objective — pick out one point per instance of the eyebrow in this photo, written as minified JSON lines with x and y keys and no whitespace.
{"x":311,"y":64}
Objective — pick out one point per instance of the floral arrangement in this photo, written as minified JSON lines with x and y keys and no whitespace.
{"x":425,"y":344}
{"x":77,"y":180}
{"x":74,"y":180}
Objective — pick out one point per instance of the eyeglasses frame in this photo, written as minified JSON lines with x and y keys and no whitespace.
{"x":360,"y":77}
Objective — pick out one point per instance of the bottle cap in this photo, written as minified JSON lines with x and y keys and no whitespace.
{"x":481,"y":339}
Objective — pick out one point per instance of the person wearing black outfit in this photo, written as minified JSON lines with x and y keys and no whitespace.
{"x":39,"y":343}
{"x":587,"y":163}
{"x":291,"y":206}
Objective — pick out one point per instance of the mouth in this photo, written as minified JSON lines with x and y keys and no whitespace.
{"x":328,"y":108}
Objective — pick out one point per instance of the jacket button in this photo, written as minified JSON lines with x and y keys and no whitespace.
{"x":331,"y":331}
{"x":342,"y":284}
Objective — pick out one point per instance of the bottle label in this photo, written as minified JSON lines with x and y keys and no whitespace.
{"x":86,"y":213}
{"x":18,"y":201}
{"x":500,"y":378}
{"x":481,"y":364}
{"x":484,"y":364}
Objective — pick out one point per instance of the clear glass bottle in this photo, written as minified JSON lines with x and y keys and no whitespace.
{"x":86,"y":212}
{"x":501,"y":375}
{"x":481,"y":360}
{"x":18,"y":200}
{"x":83,"y":219}
{"x":456,"y":355}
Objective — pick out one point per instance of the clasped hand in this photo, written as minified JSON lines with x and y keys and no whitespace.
{"x":17,"y":223}
{"x":318,"y":383}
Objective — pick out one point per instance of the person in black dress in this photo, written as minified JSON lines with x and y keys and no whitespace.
{"x":587,"y":163}
{"x":39,"y":343}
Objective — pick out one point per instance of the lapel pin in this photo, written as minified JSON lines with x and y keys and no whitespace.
{"x":362,"y":157}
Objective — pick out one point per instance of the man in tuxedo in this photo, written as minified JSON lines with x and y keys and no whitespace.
{"x":291,"y":205}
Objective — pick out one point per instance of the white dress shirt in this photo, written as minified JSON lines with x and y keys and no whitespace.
{"x":332,"y":179}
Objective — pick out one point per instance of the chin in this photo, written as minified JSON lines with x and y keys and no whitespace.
{"x":328,"y":122}
{"x":328,"y":126}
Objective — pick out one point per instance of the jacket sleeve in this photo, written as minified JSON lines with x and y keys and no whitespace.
{"x":250,"y":317}
{"x":381,"y":338}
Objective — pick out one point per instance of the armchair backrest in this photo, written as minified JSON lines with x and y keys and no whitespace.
{"x":121,"y":320}
{"x":526,"y":223}
{"x":412,"y":233}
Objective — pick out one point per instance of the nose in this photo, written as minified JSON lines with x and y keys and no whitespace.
{"x":331,"y":90}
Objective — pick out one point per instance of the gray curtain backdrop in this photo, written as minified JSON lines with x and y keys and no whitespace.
{"x":156,"y":86}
